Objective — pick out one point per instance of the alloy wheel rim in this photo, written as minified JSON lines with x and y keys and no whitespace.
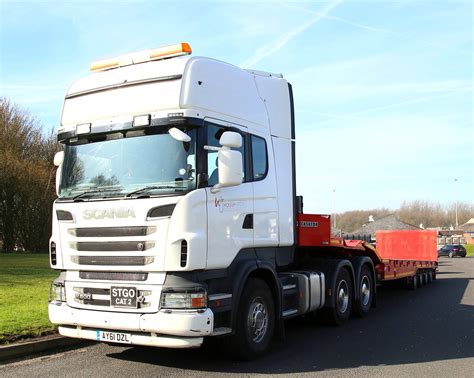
{"x":342,"y":296}
{"x":365,"y":290}
{"x":257,"y":320}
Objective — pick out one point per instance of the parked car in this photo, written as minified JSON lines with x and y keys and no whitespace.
{"x":452,"y":250}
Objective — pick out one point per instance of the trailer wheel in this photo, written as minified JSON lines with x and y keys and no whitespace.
{"x":255,"y":321}
{"x":343,"y":294}
{"x":366,"y":292}
{"x":420,"y":280}
{"x":430,"y":276}
{"x":414,"y":282}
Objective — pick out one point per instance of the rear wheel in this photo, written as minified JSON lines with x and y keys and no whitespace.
{"x":430,"y":276}
{"x":255,"y":321}
{"x":343,"y":297}
{"x":414,"y":282}
{"x":420,"y":280}
{"x":366,"y":292}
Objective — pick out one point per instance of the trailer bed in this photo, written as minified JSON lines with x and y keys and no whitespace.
{"x":398,"y":253}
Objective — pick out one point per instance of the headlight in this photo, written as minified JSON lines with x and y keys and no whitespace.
{"x":184,"y":299}
{"x":57,"y":293}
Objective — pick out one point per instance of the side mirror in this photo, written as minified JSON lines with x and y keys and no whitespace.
{"x":58,"y":161}
{"x":231,"y":139}
{"x":58,"y":158}
{"x":230,"y":168}
{"x":229,"y":162}
{"x":179,"y":135}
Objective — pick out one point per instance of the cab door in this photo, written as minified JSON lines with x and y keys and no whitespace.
{"x":229,"y":210}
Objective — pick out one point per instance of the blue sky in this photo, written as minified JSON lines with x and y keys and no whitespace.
{"x":383,"y":89}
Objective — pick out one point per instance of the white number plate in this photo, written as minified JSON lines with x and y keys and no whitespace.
{"x":113,"y":337}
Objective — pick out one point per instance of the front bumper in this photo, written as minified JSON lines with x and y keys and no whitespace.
{"x":172,"y":329}
{"x":147,"y":339}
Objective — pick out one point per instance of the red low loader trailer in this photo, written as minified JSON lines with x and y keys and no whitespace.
{"x":408,"y":255}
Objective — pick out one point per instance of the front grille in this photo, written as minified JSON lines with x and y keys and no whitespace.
{"x":99,"y":232}
{"x":113,"y":276}
{"x":96,"y":302}
{"x":184,"y":253}
{"x":95,"y":290}
{"x":101,"y":297}
{"x":112,"y":260}
{"x":121,"y":246}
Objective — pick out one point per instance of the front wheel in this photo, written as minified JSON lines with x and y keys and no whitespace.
{"x":451,"y":255}
{"x":255,"y":321}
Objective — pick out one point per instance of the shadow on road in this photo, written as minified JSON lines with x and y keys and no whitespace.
{"x":429,"y":324}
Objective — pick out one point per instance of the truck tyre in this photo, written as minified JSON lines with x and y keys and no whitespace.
{"x":255,"y":321}
{"x":363,"y":304}
{"x":419,"y":279}
{"x":343,"y":298}
{"x":430,"y":276}
{"x":414,"y":282}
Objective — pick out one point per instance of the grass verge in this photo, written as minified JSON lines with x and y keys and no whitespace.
{"x":470,"y":250}
{"x":24,"y":289}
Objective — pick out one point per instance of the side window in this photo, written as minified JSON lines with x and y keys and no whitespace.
{"x":214,"y":134}
{"x":259,"y":158}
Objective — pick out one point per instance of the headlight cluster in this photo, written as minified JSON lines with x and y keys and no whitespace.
{"x":185,"y":299}
{"x":57,"y":293}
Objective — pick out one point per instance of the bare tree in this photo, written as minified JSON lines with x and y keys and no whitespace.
{"x":418,"y":212}
{"x":26,"y":180}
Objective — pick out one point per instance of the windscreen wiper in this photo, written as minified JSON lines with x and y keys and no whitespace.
{"x":93,"y":191}
{"x":151,"y":187}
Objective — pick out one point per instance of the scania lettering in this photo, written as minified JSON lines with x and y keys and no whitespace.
{"x":108,"y":213}
{"x":178,"y":219}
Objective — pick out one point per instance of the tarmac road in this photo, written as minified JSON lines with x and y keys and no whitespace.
{"x":427,"y":332}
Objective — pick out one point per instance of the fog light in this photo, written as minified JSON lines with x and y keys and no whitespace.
{"x":57,"y":293}
{"x":187,"y":299}
{"x":52,"y":253}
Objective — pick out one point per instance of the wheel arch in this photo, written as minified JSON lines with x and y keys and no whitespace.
{"x":331,"y":269}
{"x":265,"y":272}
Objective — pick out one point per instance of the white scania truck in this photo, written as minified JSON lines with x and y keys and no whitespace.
{"x":177,"y":216}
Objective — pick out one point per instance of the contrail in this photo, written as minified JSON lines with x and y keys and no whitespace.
{"x":343,"y":20}
{"x":272,"y":48}
{"x":370,"y":28}
{"x":402,"y":103}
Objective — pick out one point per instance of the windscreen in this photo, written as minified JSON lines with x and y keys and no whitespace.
{"x":148,"y":162}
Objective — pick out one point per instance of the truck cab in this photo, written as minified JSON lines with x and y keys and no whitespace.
{"x":170,"y":200}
